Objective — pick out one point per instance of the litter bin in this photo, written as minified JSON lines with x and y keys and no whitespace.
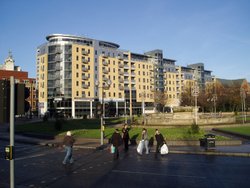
{"x":209,"y":141}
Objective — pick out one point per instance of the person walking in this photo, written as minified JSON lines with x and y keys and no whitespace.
{"x":159,"y":140}
{"x":125,"y":136}
{"x":116,"y":140}
{"x":144,"y":137}
{"x":68,"y":142}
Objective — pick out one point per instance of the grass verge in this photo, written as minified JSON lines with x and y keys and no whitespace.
{"x":90,"y":128}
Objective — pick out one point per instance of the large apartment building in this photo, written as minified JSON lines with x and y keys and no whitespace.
{"x":74,"y":72}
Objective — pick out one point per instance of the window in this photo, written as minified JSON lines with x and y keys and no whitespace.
{"x":77,"y":66}
{"x":77,"y":49}
{"x":95,"y":52}
{"x":77,"y":93}
{"x":77,"y":74}
{"x":77,"y":83}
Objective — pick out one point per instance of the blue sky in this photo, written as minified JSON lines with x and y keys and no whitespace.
{"x":215,"y":32}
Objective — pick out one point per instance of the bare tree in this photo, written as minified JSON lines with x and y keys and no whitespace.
{"x":160,"y":99}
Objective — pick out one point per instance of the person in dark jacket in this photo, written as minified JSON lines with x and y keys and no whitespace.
{"x":68,"y":142}
{"x":116,"y":140}
{"x":159,"y":140}
{"x":125,"y":136}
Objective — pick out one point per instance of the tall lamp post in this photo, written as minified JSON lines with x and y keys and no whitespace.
{"x":143,"y":106}
{"x":195,"y":93}
{"x":105,"y":85}
{"x":125,"y":110}
{"x":243,"y":102}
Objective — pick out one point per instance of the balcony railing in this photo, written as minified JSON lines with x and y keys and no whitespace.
{"x":85,"y":86}
{"x":105,"y":63}
{"x":84,"y":52}
{"x":84,"y":69}
{"x":105,"y":71}
{"x":85,"y":61}
{"x":121,"y":65}
{"x":84,"y":77}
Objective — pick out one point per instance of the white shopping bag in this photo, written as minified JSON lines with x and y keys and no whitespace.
{"x":164,"y":149}
{"x":140,"y":147}
{"x":112,"y":149}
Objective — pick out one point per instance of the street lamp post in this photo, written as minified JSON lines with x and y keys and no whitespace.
{"x":243,"y":100}
{"x":195,"y":94}
{"x":105,"y":85}
{"x":143,"y":106}
{"x":125,"y":111}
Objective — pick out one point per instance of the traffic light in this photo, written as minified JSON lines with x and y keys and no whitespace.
{"x":9,"y":152}
{"x":19,"y":99}
{"x":99,"y":108}
{"x":107,"y":109}
{"x":4,"y":101}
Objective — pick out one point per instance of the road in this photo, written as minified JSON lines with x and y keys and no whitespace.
{"x":40,"y":166}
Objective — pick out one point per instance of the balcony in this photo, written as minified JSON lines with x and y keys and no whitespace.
{"x":58,"y":50}
{"x":132,"y":67}
{"x":126,"y":73}
{"x":104,"y":78}
{"x":132,"y":74}
{"x":105,"y":71}
{"x":121,"y":87}
{"x":84,"y":52}
{"x":84,"y":69}
{"x":121,"y":65}
{"x":126,"y":81}
{"x":84,"y":77}
{"x":58,"y":59}
{"x":105,"y":63}
{"x":133,"y":81}
{"x":121,"y":72}
{"x":85,"y":86}
{"x":119,"y":57}
{"x":104,"y":56}
{"x":121,"y":80}
{"x":85,"y":61}
{"x":126,"y":66}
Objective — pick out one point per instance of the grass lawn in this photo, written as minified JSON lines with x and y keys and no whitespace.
{"x":240,"y":118}
{"x":244,"y":130}
{"x":90,"y":128}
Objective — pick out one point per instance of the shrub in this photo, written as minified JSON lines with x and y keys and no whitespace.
{"x":45,"y":118}
{"x":195,"y":129}
{"x":58,"y":125}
